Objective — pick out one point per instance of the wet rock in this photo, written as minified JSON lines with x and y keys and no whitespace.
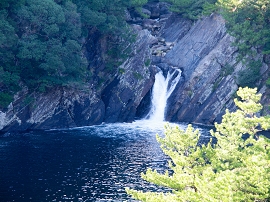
{"x":134,"y":84}
{"x":202,"y":51}
{"x":146,"y":12}
{"x":137,"y":28}
{"x":202,"y":54}
{"x":128,"y":17}
{"x":148,"y":24}
{"x":160,"y":50}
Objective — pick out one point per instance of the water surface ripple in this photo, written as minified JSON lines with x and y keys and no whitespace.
{"x":82,"y":164}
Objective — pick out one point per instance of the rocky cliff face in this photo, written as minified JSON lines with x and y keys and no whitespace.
{"x":61,"y":108}
{"x":204,"y":53}
{"x":210,"y":70}
{"x":165,"y":41}
{"x":113,"y":101}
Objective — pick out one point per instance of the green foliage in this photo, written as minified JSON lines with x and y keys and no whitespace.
{"x":192,"y":9}
{"x":41,"y":40}
{"x":268,"y":82}
{"x":137,"y":3}
{"x":216,"y":84}
{"x":121,"y":70}
{"x":249,"y":77}
{"x":10,"y":4}
{"x":227,"y":70}
{"x":9,"y":80}
{"x":28,"y":100}
{"x":40,"y":45}
{"x":107,"y":16}
{"x":5,"y":99}
{"x":209,"y":8}
{"x":236,"y":168}
{"x":9,"y":72}
{"x":147,"y":62}
{"x":49,"y":44}
{"x":248,"y":21}
{"x":7,"y":31}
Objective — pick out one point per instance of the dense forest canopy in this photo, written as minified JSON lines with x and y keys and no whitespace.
{"x":42,"y":40}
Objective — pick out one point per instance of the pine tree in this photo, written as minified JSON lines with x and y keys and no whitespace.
{"x":235,"y":168}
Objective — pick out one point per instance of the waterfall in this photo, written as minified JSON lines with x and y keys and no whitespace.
{"x":162,"y":90}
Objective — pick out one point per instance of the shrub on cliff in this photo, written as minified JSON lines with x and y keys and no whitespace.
{"x":236,"y":168}
{"x":249,"y":22}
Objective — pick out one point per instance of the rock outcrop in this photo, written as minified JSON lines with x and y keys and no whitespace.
{"x":210,"y":70}
{"x":165,"y":41}
{"x":116,"y":101}
{"x":61,"y":108}
{"x":124,"y":94}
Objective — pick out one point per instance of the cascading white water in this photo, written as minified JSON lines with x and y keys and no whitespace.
{"x":161,"y":92}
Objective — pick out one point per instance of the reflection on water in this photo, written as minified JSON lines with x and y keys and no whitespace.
{"x":81,"y":164}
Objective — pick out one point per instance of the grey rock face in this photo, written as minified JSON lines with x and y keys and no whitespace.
{"x":210,"y":70}
{"x":65,"y":108}
{"x":57,"y":109}
{"x":202,"y":51}
{"x":196,"y":44}
{"x":122,"y":98}
{"x":201,"y":54}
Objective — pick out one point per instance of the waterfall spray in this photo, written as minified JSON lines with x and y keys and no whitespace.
{"x":162,"y":90}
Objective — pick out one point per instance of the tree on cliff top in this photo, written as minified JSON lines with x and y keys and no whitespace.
{"x":236,"y":168}
{"x":249,"y":22}
{"x":191,"y":9}
{"x":43,"y":41}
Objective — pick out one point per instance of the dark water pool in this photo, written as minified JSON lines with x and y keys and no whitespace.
{"x":83,"y":164}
